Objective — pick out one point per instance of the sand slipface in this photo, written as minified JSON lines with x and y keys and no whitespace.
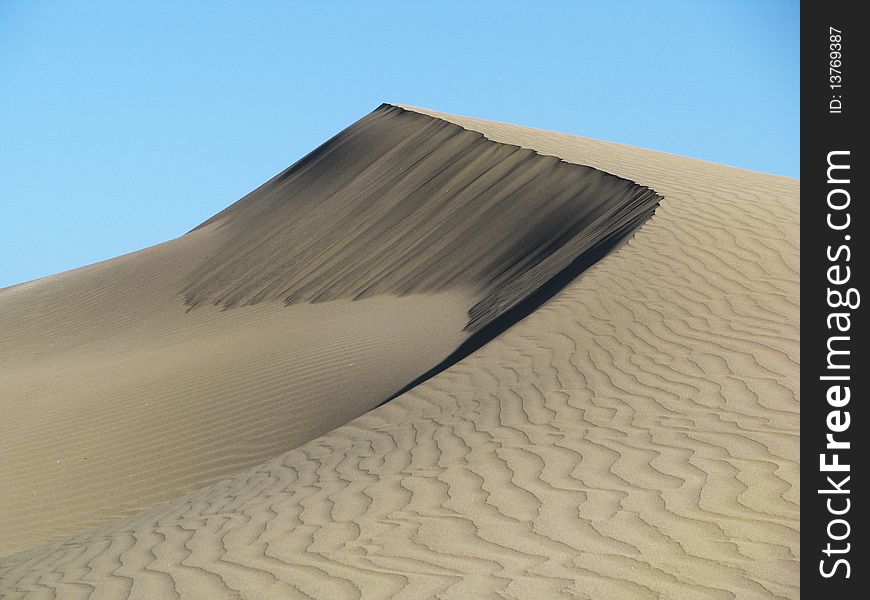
{"x":635,"y":437}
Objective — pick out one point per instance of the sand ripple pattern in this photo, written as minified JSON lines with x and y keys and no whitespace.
{"x":636,"y":437}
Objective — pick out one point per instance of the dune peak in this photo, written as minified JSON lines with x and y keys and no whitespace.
{"x":402,"y":203}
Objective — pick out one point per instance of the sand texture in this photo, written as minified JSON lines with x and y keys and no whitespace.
{"x":634,"y":437}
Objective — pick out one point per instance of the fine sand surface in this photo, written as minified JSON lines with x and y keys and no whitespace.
{"x":303,"y":305}
{"x":635,"y":437}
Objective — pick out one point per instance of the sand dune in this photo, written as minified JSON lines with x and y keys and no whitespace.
{"x":142,"y":378}
{"x":635,"y":437}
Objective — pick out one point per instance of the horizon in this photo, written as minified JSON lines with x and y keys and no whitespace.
{"x":126,"y":126}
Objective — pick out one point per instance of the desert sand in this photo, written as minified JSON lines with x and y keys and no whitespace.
{"x":636,"y":436}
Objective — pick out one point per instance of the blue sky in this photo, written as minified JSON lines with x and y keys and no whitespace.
{"x":126,"y":124}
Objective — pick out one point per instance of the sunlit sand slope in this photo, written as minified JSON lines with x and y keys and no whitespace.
{"x":636,"y":437}
{"x":308,"y":302}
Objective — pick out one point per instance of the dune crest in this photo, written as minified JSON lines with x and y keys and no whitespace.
{"x":402,"y":203}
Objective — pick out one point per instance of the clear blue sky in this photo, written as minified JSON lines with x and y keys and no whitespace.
{"x":126,"y":124}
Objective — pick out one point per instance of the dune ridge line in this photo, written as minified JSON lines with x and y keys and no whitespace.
{"x":402,"y":203}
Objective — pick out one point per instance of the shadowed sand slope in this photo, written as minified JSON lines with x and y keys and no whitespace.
{"x":305,"y":304}
{"x":402,"y":203}
{"x":635,"y":437}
